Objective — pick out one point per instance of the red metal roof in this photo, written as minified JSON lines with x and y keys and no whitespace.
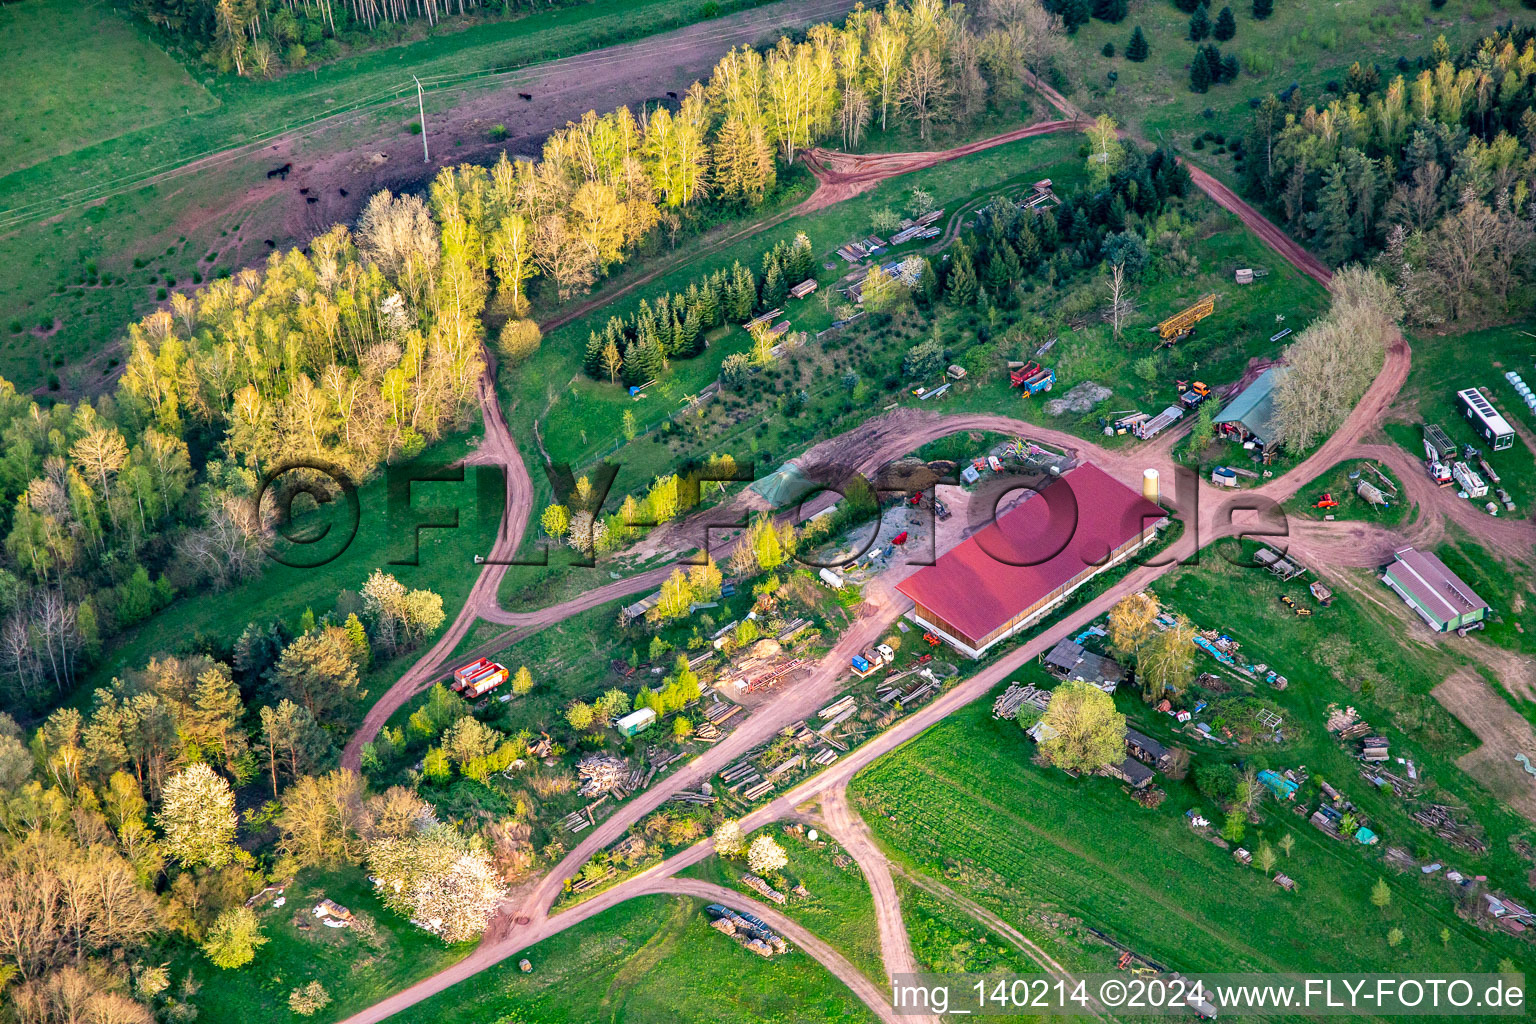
{"x":1073,"y":523}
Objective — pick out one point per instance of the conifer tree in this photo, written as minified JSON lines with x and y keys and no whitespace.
{"x":1263,"y":9}
{"x":1226,"y":25}
{"x":1137,"y":49}
{"x":1199,"y":25}
{"x":1199,"y":73}
{"x":962,"y":286}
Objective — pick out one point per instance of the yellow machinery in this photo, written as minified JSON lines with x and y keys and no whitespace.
{"x":1182,"y":322}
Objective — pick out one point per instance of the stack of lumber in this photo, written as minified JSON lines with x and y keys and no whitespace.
{"x":757,"y":789}
{"x":1374,"y":748}
{"x":1441,"y":820}
{"x":690,"y":797}
{"x":837,"y":707}
{"x":763,"y":889}
{"x":786,"y":765}
{"x":574,"y":822}
{"x":841,"y":717}
{"x":601,"y":774}
{"x":919,"y":692}
{"x":824,"y":756}
{"x":1015,"y":697}
{"x":707,"y":732}
{"x":721,"y":712}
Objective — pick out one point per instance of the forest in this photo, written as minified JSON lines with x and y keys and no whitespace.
{"x":364,"y":348}
{"x":1430,"y":171}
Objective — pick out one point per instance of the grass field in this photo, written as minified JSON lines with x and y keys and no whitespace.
{"x":63,"y":80}
{"x":358,"y":967}
{"x":652,"y":959}
{"x":1340,"y":481}
{"x":212,"y":621}
{"x":1309,"y":43}
{"x":839,"y":911}
{"x":965,"y":803}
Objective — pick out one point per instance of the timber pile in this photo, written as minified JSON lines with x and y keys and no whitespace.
{"x":919,"y":692}
{"x":1441,"y":820}
{"x":763,"y":889}
{"x":575,"y":822}
{"x":842,"y":716}
{"x":721,"y":712}
{"x":824,"y":757}
{"x":688,"y":796}
{"x":1347,"y":724}
{"x":1376,"y":775}
{"x":707,"y":732}
{"x":591,"y":880}
{"x":837,"y":707}
{"x":786,"y":765}
{"x":601,"y":774}
{"x":757,"y":789}
{"x":1016,"y":696}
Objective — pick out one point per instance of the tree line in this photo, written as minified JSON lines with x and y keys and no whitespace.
{"x":257,"y":38}
{"x":1434,"y":171}
{"x":637,"y":349}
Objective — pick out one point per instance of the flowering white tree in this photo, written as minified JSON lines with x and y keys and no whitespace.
{"x":765,"y":856}
{"x":438,"y":879}
{"x":197,"y":815}
{"x":401,"y":617}
{"x":729,"y":842}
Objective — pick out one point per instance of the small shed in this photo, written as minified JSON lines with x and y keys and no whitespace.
{"x":1250,"y":415}
{"x":1145,"y":748}
{"x":1224,"y":476}
{"x":1285,"y":882}
{"x":636,"y":722}
{"x":955,"y":372}
{"x":1130,"y":771}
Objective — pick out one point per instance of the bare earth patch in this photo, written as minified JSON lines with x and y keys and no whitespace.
{"x":1503,"y":733}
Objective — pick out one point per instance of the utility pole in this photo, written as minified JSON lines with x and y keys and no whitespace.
{"x":421,"y":108}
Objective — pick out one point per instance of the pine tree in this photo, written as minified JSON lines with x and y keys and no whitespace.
{"x":962,"y":287}
{"x":1112,"y":11}
{"x":1187,"y":6}
{"x":1074,"y":14}
{"x":1137,"y":49}
{"x":1199,"y":73}
{"x":802,"y":258}
{"x":592,"y":360}
{"x":774,"y":288}
{"x":1226,"y":25}
{"x":1199,"y":25}
{"x":1229,"y":68}
{"x":1263,"y":9}
{"x":1213,"y":65}
{"x":743,"y":294}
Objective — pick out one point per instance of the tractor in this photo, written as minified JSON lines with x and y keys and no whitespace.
{"x":1326,"y":501}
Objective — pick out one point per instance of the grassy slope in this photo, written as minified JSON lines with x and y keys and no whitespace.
{"x":55,"y":106}
{"x":840,"y":910}
{"x":216,"y":619}
{"x":48,"y":261}
{"x":357,"y":970}
{"x":1310,"y":43}
{"x":1336,"y":481}
{"x":652,"y":959}
{"x":964,"y":802}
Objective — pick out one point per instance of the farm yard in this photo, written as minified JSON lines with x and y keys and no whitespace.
{"x":635,"y":722}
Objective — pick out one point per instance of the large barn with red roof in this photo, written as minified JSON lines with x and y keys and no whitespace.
{"x":1011,"y":573}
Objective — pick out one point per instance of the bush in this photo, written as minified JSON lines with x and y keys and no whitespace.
{"x":1109,"y":49}
{"x":414,"y":128}
{"x":497,"y":133}
{"x":519,"y":339}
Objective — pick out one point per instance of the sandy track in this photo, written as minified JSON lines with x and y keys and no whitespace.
{"x":849,"y":829}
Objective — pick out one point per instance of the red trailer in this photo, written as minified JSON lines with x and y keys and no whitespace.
{"x":478,"y":677}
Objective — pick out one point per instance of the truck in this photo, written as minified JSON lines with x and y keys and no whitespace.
{"x":1191,"y":395}
{"x":479,"y":677}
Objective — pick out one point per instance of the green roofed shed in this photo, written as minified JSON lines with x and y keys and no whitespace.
{"x":1251,"y":415}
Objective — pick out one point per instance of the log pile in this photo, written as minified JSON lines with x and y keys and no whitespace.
{"x":1441,"y":820}
{"x":600,"y":773}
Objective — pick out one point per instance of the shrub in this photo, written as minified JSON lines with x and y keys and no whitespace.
{"x":519,"y":339}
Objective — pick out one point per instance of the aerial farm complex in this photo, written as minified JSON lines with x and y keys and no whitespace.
{"x":766,"y":510}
